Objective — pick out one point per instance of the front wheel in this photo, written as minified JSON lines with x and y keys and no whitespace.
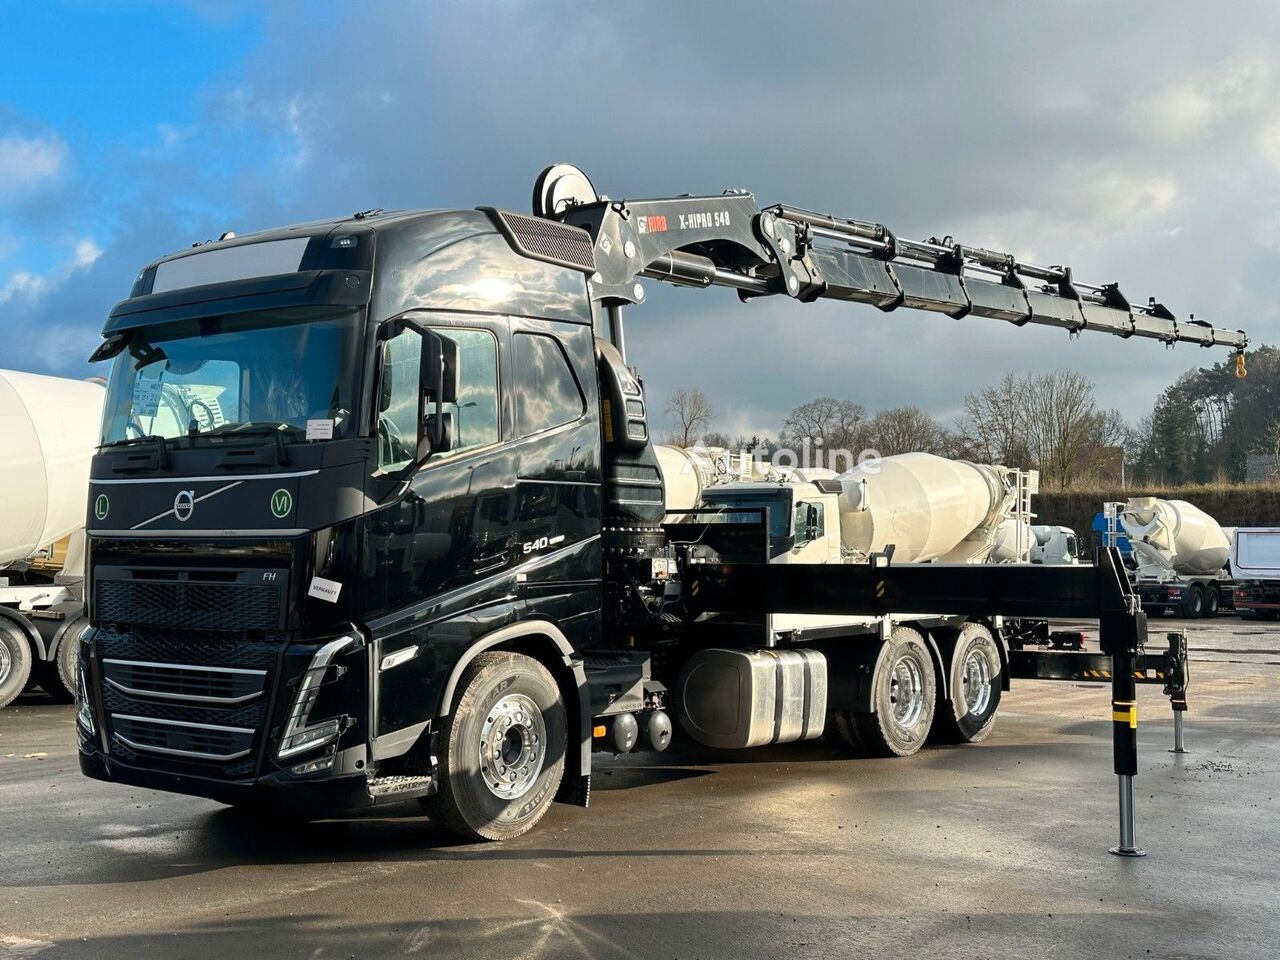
{"x":967,"y":711}
{"x":15,"y":662}
{"x":503,"y":749}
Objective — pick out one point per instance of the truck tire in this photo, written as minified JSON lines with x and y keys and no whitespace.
{"x":1212,"y":600}
{"x":966,"y":713}
{"x":58,"y":676}
{"x":1193,"y":606}
{"x":15,"y":662}
{"x":502,"y":749}
{"x":905,"y":699}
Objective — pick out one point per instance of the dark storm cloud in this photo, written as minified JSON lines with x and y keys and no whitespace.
{"x":1138,"y":143}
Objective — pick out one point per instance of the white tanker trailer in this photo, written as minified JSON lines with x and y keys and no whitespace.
{"x":1180,"y":555}
{"x":50,"y":427}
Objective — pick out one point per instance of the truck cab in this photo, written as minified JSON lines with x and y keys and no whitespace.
{"x":338,"y":463}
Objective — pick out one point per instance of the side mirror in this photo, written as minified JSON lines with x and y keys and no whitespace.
{"x":437,"y":435}
{"x":440,"y":367}
{"x":438,"y":378}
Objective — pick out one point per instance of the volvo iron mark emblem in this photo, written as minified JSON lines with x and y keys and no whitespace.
{"x":183,"y":505}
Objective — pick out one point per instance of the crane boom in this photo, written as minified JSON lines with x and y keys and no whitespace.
{"x":731,"y":241}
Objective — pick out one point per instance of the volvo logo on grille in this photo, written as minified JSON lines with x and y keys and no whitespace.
{"x":183,"y":505}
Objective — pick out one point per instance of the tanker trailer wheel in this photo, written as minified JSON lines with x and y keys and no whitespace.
{"x":503,"y":749}
{"x":15,"y":662}
{"x":1193,"y":606}
{"x":967,"y":711}
{"x":905,"y":699}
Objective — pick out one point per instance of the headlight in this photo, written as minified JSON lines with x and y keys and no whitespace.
{"x":298,"y":736}
{"x":84,"y":710}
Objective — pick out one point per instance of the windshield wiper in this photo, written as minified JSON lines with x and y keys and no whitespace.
{"x":236,"y":431}
{"x":162,"y":448}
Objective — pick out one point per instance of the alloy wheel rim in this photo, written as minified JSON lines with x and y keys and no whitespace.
{"x":976,"y":683}
{"x":906,"y":692}
{"x":512,"y":746}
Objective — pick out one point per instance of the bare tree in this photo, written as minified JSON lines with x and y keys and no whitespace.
{"x":828,"y":422}
{"x":993,"y":426}
{"x":1062,"y":421}
{"x":691,"y":414}
{"x":906,"y":430}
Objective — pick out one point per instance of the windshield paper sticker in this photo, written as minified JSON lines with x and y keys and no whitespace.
{"x":324,"y":589}
{"x":320,"y":429}
{"x":146,"y":398}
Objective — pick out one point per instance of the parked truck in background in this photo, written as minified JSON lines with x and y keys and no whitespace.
{"x":1255,"y":563}
{"x":1180,"y":555}
{"x":376,"y":514}
{"x":50,"y":429}
{"x":922,"y":508}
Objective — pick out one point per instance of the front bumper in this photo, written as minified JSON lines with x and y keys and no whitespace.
{"x":307,"y":795}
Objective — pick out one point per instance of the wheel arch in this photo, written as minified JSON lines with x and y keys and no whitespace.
{"x":543,"y":641}
{"x":28,"y":630}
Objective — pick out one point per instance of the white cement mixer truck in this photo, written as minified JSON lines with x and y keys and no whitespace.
{"x":50,"y":428}
{"x":920,"y":507}
{"x":1180,"y":555}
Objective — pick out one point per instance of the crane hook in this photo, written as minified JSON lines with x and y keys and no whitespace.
{"x":1241,"y":371}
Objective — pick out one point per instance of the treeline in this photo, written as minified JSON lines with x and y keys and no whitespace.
{"x":1202,"y":429}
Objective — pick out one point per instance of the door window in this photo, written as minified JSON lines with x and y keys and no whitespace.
{"x":474,"y":416}
{"x":547,"y":393}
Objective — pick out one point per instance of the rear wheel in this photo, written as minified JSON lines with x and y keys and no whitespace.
{"x":967,"y":710}
{"x":1193,"y":606}
{"x":905,"y":698}
{"x":1211,"y":600}
{"x":503,"y":749}
{"x":15,"y":662}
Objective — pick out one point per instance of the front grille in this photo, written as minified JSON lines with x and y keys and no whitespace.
{"x":184,"y":701}
{"x":188,"y":603}
{"x":175,"y":738}
{"x":192,"y":683}
{"x":179,"y":646}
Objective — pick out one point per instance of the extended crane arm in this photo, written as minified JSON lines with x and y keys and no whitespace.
{"x":730,"y":241}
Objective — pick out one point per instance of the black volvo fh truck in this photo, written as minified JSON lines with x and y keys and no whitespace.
{"x":376,"y":516}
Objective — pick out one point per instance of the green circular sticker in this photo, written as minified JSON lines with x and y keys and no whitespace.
{"x":281,"y":503}
{"x":101,"y":506}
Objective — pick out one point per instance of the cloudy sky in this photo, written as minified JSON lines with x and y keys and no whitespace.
{"x":1137,"y":142}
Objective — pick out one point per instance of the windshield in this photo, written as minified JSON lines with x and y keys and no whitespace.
{"x":736,"y":508}
{"x":292,"y":372}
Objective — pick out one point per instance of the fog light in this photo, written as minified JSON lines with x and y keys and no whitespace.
{"x":313,"y":766}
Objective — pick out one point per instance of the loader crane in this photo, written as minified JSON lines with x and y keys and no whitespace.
{"x":405,"y":536}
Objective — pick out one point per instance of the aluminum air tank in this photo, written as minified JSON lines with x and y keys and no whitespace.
{"x":924,"y":505}
{"x":49,"y":429}
{"x":1175,"y":535}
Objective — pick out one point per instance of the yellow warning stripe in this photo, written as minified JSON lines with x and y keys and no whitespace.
{"x":1125,"y":712}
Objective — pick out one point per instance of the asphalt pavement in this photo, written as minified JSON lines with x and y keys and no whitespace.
{"x":991,"y":850}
